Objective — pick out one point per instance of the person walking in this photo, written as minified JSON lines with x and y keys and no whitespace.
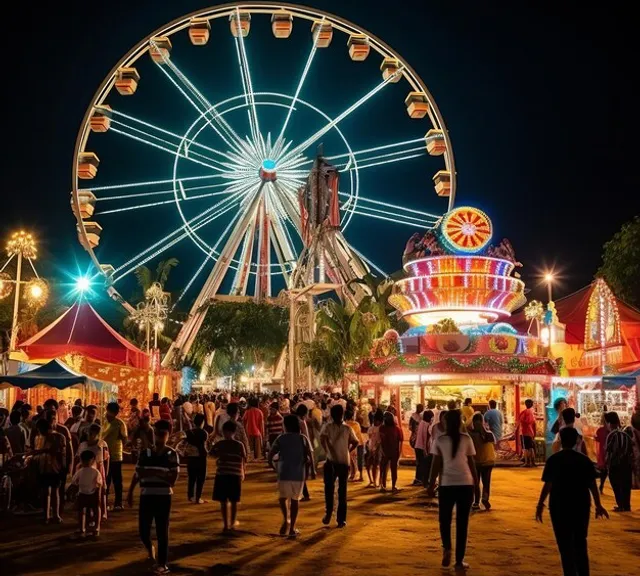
{"x":196,"y":453}
{"x":485,"y":458}
{"x":414,"y":423}
{"x":114,"y":433}
{"x":391,"y":439}
{"x":602,"y":434}
{"x":253,"y":422}
{"x":423,"y":446}
{"x":293,"y":452}
{"x":527,"y":429}
{"x":568,"y":477}
{"x":467,"y":412}
{"x":453,"y":461}
{"x":619,"y":458}
{"x":338,"y":440}
{"x":157,"y":471}
{"x":495,"y":420}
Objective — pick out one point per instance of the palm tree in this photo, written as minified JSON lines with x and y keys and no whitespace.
{"x":146,"y":278}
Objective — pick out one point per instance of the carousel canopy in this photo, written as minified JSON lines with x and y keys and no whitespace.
{"x":81,"y":330}
{"x":55,"y":374}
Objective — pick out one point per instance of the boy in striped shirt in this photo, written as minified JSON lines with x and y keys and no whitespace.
{"x":157,"y":472}
{"x":275,"y":423}
{"x":227,"y":486}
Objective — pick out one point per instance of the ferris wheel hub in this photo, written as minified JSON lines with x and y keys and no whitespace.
{"x":268,"y":170}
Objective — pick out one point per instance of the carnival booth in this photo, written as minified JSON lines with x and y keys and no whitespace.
{"x":88,"y":345}
{"x":596,"y":339}
{"x":58,"y":381}
{"x":457,"y":291}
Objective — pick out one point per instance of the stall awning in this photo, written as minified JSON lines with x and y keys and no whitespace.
{"x":620,"y":380}
{"x":55,"y":374}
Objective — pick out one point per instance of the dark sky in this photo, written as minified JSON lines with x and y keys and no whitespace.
{"x":536,"y":100}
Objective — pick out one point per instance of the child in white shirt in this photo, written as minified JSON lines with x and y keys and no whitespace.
{"x":89,"y":482}
{"x":100,"y":451}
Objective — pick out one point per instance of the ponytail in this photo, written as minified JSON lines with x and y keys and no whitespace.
{"x":453,"y":422}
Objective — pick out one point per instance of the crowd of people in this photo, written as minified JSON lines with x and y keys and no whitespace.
{"x":63,"y":454}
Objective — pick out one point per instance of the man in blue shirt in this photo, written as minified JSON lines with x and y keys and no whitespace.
{"x":493,"y":418}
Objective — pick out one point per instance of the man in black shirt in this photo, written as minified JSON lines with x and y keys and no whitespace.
{"x":157,"y":472}
{"x":569,"y":476}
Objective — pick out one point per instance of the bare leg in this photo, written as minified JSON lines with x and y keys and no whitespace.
{"x":394,"y":473}
{"x":47,"y":503}
{"x":55,"y":504}
{"x":285,"y":513}
{"x":97,"y":516}
{"x":81,"y":524}
{"x":375,"y":474}
{"x":225,"y":515}
{"x":294,"y":516}
{"x":234,"y":514}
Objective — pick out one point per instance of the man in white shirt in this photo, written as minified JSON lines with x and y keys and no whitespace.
{"x":338,"y":440}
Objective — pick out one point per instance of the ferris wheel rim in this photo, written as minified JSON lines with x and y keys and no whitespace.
{"x":259,"y":7}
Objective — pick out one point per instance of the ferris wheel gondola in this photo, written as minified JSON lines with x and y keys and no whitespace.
{"x":244,"y":187}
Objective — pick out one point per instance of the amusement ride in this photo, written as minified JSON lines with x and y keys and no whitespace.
{"x":250,"y":184}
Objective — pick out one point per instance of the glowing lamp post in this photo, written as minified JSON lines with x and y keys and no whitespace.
{"x":22,"y":246}
{"x":548,"y":278}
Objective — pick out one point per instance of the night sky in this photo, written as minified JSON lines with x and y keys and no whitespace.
{"x":533,"y":99}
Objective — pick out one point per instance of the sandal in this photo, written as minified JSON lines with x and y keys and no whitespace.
{"x":284,"y":528}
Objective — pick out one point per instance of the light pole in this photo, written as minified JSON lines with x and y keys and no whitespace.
{"x":548,"y":278}
{"x":21,"y":246}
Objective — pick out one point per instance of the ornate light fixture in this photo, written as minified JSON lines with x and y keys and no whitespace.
{"x":152,"y":314}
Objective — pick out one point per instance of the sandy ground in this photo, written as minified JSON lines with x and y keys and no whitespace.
{"x":386,"y":534}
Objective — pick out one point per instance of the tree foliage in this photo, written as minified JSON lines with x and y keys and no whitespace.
{"x":242,"y":335}
{"x":621,"y":262}
{"x":344,"y":334}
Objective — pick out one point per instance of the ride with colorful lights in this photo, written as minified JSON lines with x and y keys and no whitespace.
{"x":457,"y":292}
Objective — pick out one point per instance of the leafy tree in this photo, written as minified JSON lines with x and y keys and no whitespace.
{"x":621,"y":262}
{"x":241,"y":334}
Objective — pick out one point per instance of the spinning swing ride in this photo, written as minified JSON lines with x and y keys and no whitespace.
{"x":238,"y":188}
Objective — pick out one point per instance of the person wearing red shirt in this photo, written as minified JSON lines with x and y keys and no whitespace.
{"x":527,"y":428}
{"x":253,"y":421}
{"x":391,"y":439}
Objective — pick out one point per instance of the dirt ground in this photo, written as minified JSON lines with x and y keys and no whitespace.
{"x":392,"y":535}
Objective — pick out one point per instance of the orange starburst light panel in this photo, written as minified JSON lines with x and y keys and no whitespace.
{"x":466,"y":230}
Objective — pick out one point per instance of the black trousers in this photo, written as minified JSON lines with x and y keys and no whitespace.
{"x":420,"y":455}
{"x":461,"y":497}
{"x":115,"y":476}
{"x":196,"y":475}
{"x":621,"y":477}
{"x":484,"y":476}
{"x":156,"y":508}
{"x":570,"y":527}
{"x":426,"y":469}
{"x":333,"y":470}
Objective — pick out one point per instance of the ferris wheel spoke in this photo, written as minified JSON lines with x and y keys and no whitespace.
{"x":367,"y":260}
{"x":163,"y":202}
{"x":185,"y":230}
{"x":203,"y":106}
{"x":320,"y":133}
{"x":305,"y":71}
{"x":396,"y":220}
{"x":381,"y":162}
{"x":397,"y":210}
{"x":247,"y":85}
{"x":286,"y":196}
{"x":120,"y":197}
{"x":176,"y":141}
{"x":150,"y":140}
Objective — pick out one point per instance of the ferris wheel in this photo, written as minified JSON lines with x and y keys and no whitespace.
{"x":192,"y":140}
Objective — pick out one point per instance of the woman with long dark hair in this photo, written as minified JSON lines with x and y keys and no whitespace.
{"x":453,"y":461}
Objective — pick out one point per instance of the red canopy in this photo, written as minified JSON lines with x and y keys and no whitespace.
{"x":81,"y":329}
{"x":572,"y":311}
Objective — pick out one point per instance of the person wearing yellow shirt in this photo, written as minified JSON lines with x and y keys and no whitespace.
{"x":357,"y":455}
{"x":467,"y":412}
{"x":114,"y":433}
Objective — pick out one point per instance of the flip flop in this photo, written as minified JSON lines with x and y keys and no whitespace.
{"x":284,"y":528}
